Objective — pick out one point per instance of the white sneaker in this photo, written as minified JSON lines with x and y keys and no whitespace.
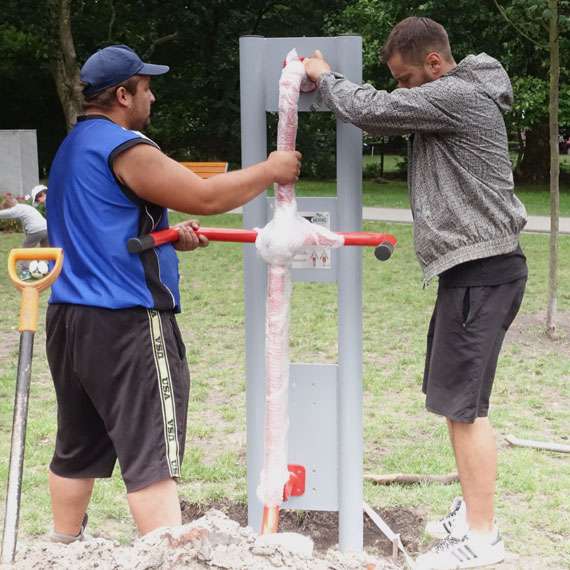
{"x":443,"y":527}
{"x":463,"y":549}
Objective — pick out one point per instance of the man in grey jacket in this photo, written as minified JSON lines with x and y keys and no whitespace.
{"x":467,"y":222}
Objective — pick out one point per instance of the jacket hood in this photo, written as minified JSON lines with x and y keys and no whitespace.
{"x":488,"y":75}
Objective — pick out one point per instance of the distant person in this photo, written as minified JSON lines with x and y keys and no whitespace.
{"x":467,"y":222}
{"x":115,"y":351}
{"x":39,"y":195}
{"x":33,"y":224}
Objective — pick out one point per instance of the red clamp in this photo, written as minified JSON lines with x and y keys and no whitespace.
{"x":296,"y":484}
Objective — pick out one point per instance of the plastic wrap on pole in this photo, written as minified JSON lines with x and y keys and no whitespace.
{"x":289,"y":85}
{"x":275,"y":474}
{"x":287,"y":233}
{"x":277,"y":244}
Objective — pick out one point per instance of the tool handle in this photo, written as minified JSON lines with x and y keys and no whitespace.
{"x":17,"y":447}
{"x":31,"y":289}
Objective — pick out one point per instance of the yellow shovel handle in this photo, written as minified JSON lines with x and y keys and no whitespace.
{"x":31,"y":289}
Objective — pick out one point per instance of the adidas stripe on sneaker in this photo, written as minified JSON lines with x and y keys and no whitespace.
{"x":443,"y":527}
{"x":463,"y":549}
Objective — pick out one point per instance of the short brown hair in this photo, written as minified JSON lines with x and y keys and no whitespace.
{"x":106,"y":99}
{"x":413,"y":38}
{"x":8,"y":202}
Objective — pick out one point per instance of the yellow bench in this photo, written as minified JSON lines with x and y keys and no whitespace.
{"x":206,"y":169}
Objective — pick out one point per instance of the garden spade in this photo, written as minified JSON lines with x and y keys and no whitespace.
{"x":28,"y":321}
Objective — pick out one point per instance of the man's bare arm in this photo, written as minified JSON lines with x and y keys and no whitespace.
{"x":153,"y":176}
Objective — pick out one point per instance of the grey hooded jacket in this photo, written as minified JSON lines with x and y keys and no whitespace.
{"x":459,"y":173}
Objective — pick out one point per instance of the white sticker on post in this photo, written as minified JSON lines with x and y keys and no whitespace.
{"x":311,"y":257}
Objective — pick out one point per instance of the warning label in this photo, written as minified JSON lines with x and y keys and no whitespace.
{"x":309,"y":257}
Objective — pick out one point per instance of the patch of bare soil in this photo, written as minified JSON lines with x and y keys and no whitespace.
{"x":529,"y":332}
{"x":322,"y":526}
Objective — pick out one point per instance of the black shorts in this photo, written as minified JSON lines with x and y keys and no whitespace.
{"x":465,"y":336}
{"x":122,"y":385}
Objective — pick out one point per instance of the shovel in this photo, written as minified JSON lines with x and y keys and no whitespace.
{"x":28,"y":322}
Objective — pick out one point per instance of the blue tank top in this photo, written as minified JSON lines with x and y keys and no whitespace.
{"x":92,"y":216}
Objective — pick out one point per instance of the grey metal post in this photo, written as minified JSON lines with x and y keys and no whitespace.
{"x":349,"y":195}
{"x":326,"y":416}
{"x":253,"y":150}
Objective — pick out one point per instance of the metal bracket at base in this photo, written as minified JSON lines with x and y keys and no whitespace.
{"x":296,"y":484}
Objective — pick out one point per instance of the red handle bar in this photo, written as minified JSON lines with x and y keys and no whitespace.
{"x":384,"y":243}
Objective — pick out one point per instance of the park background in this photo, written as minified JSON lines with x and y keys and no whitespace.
{"x":196,"y":117}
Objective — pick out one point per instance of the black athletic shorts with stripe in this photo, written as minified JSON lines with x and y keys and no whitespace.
{"x":476,"y":304}
{"x":122,"y":385}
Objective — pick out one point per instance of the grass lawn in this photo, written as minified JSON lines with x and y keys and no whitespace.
{"x":531,"y":397}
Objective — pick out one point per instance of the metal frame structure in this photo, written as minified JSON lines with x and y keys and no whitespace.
{"x":325,"y":434}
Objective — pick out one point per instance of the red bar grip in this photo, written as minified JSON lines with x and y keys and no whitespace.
{"x":148,"y":241}
{"x":384,"y":243}
{"x":366,"y":238}
{"x":229,"y":234}
{"x":164,"y":236}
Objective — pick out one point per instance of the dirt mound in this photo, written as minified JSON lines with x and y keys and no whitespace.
{"x":212,"y":541}
{"x":322,"y":526}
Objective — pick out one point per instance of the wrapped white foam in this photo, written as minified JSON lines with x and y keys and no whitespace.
{"x":277,"y":244}
{"x":288,"y":233}
{"x":289,"y":85}
{"x":275,"y":473}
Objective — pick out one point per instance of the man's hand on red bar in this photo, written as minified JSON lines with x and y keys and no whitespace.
{"x":187,"y":237}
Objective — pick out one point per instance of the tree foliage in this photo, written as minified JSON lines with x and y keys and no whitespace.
{"x":27,"y":90}
{"x":196,"y":114}
{"x":531,"y":20}
{"x":513,"y":31}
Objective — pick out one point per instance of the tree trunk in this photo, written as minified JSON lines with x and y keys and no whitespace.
{"x":554,"y":169}
{"x":63,"y":61}
{"x":520,"y":152}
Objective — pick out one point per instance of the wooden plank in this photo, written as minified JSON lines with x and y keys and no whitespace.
{"x":206,"y":169}
{"x":411,"y":478}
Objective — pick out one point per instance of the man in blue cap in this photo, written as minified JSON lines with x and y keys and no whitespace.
{"x":115,"y":351}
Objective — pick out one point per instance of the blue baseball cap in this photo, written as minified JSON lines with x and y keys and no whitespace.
{"x":112,"y":65}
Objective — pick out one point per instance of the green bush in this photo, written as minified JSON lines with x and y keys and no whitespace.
{"x":371,"y":170}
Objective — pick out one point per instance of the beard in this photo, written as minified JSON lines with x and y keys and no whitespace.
{"x":138,"y":122}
